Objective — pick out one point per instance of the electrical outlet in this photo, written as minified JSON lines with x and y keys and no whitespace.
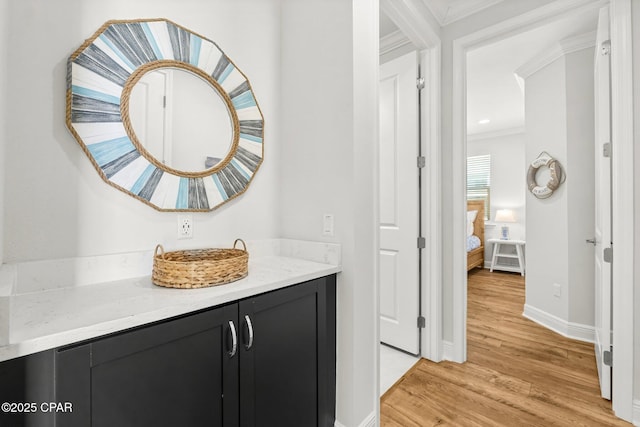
{"x":185,"y":226}
{"x":557,"y":290}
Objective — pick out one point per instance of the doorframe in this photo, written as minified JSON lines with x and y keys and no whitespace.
{"x":431,"y":206}
{"x":622,"y":128}
{"x":410,"y":18}
{"x":623,"y":206}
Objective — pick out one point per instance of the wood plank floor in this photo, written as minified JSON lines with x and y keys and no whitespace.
{"x":517,"y":373}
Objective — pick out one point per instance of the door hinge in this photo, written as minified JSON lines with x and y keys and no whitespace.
{"x":420,"y":83}
{"x":607,"y":357}
{"x":422,"y":322}
{"x":607,"y":255}
{"x":422,"y":162}
{"x":422,"y":243}
{"x":164,"y":101}
{"x":605,"y":47}
{"x":606,"y":149}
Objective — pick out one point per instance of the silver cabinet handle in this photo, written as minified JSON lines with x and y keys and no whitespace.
{"x":234,"y":340}
{"x":249,"y":344}
{"x":592,"y":241}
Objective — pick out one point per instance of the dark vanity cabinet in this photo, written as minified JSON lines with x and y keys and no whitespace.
{"x":268,"y":360}
{"x":264,"y":361}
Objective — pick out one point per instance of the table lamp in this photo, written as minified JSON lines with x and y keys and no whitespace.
{"x":505,"y":215}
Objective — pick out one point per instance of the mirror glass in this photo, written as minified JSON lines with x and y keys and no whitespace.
{"x":180,"y":119}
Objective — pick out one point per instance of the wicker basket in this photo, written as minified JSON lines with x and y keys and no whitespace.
{"x":199,"y":268}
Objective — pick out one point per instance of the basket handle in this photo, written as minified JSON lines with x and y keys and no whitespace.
{"x":161,"y":249}
{"x":241,"y":241}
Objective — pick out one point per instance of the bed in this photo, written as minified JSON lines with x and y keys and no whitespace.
{"x":475,"y":234}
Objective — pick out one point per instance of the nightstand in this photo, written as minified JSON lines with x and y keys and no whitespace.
{"x":498,"y":244}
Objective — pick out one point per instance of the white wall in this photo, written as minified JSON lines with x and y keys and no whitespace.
{"x":581,"y":185}
{"x":329,"y":98}
{"x":57,"y":205}
{"x":636,"y":96}
{"x":559,"y":110}
{"x":508,"y":181}
{"x":4,"y":36}
{"x":547,"y":241}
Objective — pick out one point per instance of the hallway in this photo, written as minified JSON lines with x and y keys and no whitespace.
{"x":517,"y":373}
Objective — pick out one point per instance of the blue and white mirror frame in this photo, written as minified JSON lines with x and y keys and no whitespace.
{"x":100,"y":75}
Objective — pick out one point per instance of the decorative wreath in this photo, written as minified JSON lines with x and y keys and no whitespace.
{"x":557,"y":176}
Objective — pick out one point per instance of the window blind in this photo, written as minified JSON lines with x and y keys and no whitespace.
{"x":479,"y":180}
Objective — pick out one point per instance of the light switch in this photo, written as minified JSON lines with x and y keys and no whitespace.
{"x":327,"y":225}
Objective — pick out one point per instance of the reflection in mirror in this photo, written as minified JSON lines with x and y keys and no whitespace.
{"x":180,"y":119}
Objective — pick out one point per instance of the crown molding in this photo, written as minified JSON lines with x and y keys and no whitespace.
{"x":555,"y":52}
{"x":495,"y":134}
{"x":393,"y":41}
{"x":447,"y":13}
{"x":415,"y":20}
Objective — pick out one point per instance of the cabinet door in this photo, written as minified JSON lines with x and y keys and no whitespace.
{"x":26,"y":385}
{"x":287,"y":357}
{"x":174,"y":373}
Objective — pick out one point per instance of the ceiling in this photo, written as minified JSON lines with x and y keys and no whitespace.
{"x":492,"y":90}
{"x":387,"y":26}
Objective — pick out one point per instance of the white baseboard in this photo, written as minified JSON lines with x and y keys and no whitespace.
{"x":571,"y":330}
{"x":447,"y":350}
{"x":636,"y":412}
{"x":370,"y":421}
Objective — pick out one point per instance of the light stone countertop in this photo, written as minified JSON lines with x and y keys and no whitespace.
{"x":46,"y":319}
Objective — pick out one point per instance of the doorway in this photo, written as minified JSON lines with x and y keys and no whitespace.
{"x":554,"y":62}
{"x":621,"y":77}
{"x":425,"y":47}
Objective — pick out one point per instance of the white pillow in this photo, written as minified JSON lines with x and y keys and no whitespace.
{"x":471,"y":216}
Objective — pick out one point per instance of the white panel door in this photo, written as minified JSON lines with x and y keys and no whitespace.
{"x":147,"y":113}
{"x":399,"y":207}
{"x":603,"y":330}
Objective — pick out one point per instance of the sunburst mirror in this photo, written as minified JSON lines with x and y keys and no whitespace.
{"x":164,"y":115}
